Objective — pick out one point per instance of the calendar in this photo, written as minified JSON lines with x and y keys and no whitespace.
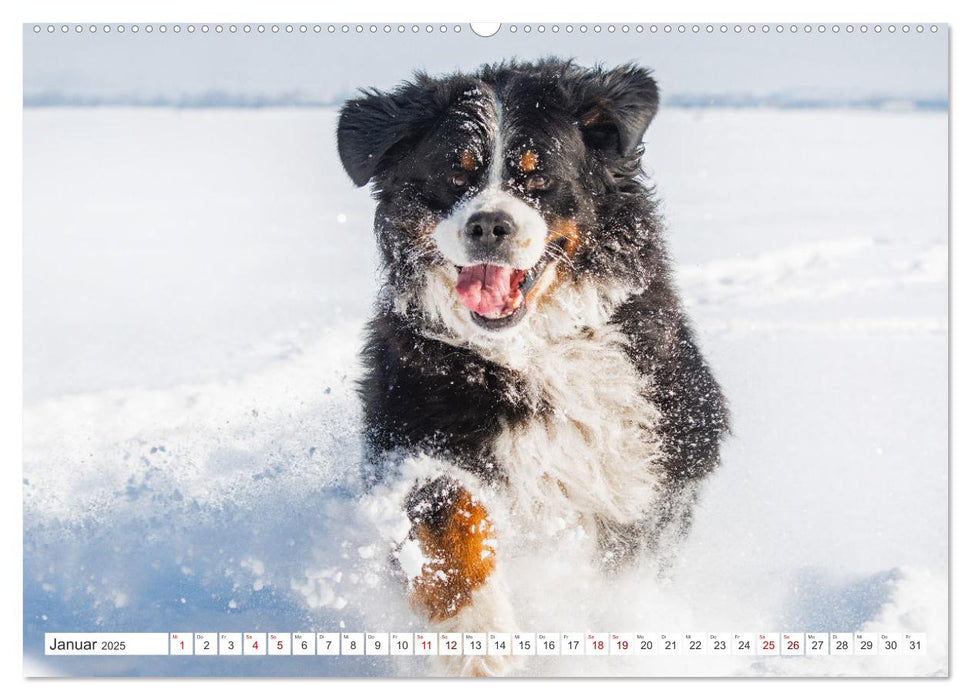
{"x":524,"y":348}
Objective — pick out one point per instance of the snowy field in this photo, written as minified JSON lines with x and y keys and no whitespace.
{"x":195,"y":285}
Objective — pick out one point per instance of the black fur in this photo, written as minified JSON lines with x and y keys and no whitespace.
{"x":422,"y":394}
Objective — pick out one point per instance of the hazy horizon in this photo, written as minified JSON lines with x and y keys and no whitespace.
{"x":323,"y":67}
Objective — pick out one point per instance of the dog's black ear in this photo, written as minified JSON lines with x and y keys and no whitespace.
{"x":373,"y":124}
{"x":616,"y":107}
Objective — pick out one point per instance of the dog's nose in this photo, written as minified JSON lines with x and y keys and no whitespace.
{"x":490,"y":227}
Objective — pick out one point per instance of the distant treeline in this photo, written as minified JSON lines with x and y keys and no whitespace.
{"x":225,"y":100}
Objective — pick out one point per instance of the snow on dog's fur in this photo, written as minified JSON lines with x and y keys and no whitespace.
{"x":527,"y":347}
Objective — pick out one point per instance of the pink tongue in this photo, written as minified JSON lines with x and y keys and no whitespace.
{"x":485,"y":289}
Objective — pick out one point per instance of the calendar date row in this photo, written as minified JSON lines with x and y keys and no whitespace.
{"x":487,"y":643}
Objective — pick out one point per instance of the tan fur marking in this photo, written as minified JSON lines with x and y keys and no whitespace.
{"x":566,"y":231}
{"x":467,"y":160}
{"x":528,"y":161}
{"x":460,"y":558}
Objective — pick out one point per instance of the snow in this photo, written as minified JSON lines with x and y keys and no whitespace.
{"x":195,"y":285}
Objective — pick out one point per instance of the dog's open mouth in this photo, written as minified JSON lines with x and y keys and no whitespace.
{"x":496,"y":295}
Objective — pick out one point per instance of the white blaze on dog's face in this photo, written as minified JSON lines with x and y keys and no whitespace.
{"x":494,"y":237}
{"x":492,"y":192}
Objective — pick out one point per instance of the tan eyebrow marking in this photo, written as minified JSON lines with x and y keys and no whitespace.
{"x":467,"y":160}
{"x":528,"y":161}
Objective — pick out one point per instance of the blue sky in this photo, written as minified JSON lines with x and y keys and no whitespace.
{"x":324,"y":66}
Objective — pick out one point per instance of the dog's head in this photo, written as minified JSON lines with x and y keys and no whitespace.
{"x":502,"y":189}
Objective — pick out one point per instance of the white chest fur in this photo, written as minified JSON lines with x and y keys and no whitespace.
{"x":597,"y":451}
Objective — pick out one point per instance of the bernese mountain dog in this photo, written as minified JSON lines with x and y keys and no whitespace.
{"x":528,"y":348}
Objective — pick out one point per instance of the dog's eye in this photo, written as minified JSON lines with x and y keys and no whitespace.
{"x":538,"y":181}
{"x":459,"y":180}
